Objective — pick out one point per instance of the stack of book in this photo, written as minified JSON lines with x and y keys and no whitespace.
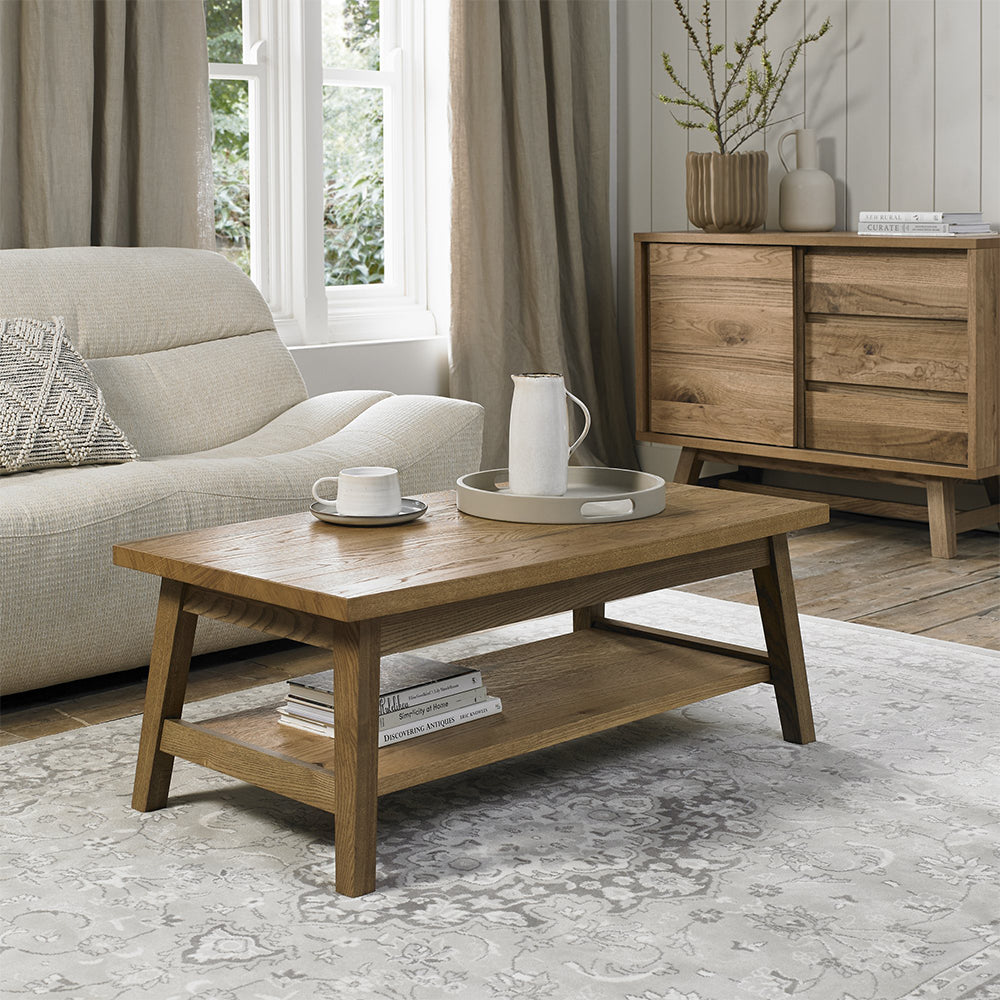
{"x":416,"y":696}
{"x":921,"y":223}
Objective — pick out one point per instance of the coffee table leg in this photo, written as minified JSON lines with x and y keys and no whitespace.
{"x":780,"y":618}
{"x":170,"y":660}
{"x":355,"y":698}
{"x":584,"y":618}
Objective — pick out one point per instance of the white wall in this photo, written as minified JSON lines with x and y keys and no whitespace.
{"x":904,"y":94}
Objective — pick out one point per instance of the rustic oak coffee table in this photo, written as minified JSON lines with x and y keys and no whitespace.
{"x":366,"y":592}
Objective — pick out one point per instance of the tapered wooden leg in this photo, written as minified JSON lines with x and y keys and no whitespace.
{"x":688,"y":467}
{"x":780,"y":618}
{"x":173,"y":638}
{"x":941,"y":517}
{"x":355,"y":703}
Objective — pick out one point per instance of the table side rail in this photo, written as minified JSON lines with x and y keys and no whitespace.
{"x":296,"y":779}
{"x":412,"y":629}
{"x":747,"y":653}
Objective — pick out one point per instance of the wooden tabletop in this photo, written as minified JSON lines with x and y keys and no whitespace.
{"x":354,"y":573}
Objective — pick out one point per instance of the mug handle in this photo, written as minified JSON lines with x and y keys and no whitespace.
{"x":586,"y":423}
{"x":781,"y":142}
{"x":318,"y":484}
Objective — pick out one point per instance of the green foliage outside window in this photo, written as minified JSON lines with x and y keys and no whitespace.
{"x":354,"y":195}
{"x":353,"y":210}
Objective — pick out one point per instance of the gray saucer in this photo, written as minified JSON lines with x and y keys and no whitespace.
{"x":409,"y":510}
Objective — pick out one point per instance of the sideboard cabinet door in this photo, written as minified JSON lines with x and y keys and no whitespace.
{"x":721,"y":342}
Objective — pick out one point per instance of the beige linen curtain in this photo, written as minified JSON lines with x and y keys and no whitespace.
{"x":105,"y":126}
{"x":532,"y":285}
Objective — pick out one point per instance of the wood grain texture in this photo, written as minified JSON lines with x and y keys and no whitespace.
{"x":984,"y":391}
{"x":269,"y":618}
{"x":969,"y":614}
{"x":736,"y":403}
{"x":836,"y":501}
{"x":956,"y":522}
{"x":721,"y":341}
{"x":768,"y":456}
{"x":941,"y":514}
{"x":231,"y":754}
{"x":173,"y":637}
{"x":679,"y":639}
{"x":877,"y":571}
{"x":356,"y":695}
{"x":688,"y":468}
{"x":932,"y":284}
{"x":552,"y":691}
{"x":641,"y":303}
{"x":297,"y":562}
{"x":983,"y":517}
{"x":878,"y":422}
{"x":779,"y":616}
{"x":891,"y":352}
{"x":428,"y":625}
{"x":881,"y":572}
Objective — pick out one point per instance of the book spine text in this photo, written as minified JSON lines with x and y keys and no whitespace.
{"x":900,"y":217}
{"x":903,"y":227}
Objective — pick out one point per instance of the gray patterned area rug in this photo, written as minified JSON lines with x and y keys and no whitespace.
{"x":692,"y":856}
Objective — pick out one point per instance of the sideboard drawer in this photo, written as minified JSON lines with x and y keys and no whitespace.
{"x":927,"y":283}
{"x":721,"y":340}
{"x":914,"y":425}
{"x":890,"y":352}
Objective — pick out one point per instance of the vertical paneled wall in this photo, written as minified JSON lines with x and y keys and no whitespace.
{"x":904,"y":96}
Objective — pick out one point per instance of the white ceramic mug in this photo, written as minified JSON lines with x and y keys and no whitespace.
{"x":366,"y":491}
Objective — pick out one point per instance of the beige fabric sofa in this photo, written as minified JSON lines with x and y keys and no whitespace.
{"x":191,"y":368}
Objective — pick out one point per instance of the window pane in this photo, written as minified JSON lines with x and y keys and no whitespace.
{"x":224,"y":25}
{"x":231,"y":165}
{"x":354,"y":205}
{"x":351,"y":34}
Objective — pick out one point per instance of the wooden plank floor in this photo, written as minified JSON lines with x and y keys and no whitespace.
{"x":860,"y":569}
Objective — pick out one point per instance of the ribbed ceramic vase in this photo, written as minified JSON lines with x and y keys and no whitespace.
{"x":727,"y":192}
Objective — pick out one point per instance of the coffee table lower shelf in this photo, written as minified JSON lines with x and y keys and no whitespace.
{"x":553,"y":690}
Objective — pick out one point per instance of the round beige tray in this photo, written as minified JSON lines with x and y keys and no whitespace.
{"x":594,"y":495}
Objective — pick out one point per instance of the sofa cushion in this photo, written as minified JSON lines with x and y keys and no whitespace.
{"x":52,"y":412}
{"x":199,"y":396}
{"x":130,"y":300}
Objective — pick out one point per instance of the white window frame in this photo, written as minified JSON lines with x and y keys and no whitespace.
{"x":283,"y":64}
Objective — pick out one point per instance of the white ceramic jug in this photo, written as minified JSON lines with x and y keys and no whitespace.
{"x":807,"y":202}
{"x":539,"y":431}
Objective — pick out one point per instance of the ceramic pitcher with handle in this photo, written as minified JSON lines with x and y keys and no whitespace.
{"x":539,"y":432}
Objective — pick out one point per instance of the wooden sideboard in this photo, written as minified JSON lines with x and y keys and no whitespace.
{"x":868,"y":357}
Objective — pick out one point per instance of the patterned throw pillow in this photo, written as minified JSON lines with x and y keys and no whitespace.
{"x":51,"y":411}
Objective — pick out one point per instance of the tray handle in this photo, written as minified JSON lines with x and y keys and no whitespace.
{"x":596,"y":509}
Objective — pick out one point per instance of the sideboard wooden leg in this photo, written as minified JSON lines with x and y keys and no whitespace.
{"x":173,"y":638}
{"x":688,"y":467}
{"x":780,"y":618}
{"x":355,"y":698}
{"x":992,"y":484}
{"x":941,"y":517}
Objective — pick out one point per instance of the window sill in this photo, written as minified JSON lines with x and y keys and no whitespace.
{"x":349,"y":326}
